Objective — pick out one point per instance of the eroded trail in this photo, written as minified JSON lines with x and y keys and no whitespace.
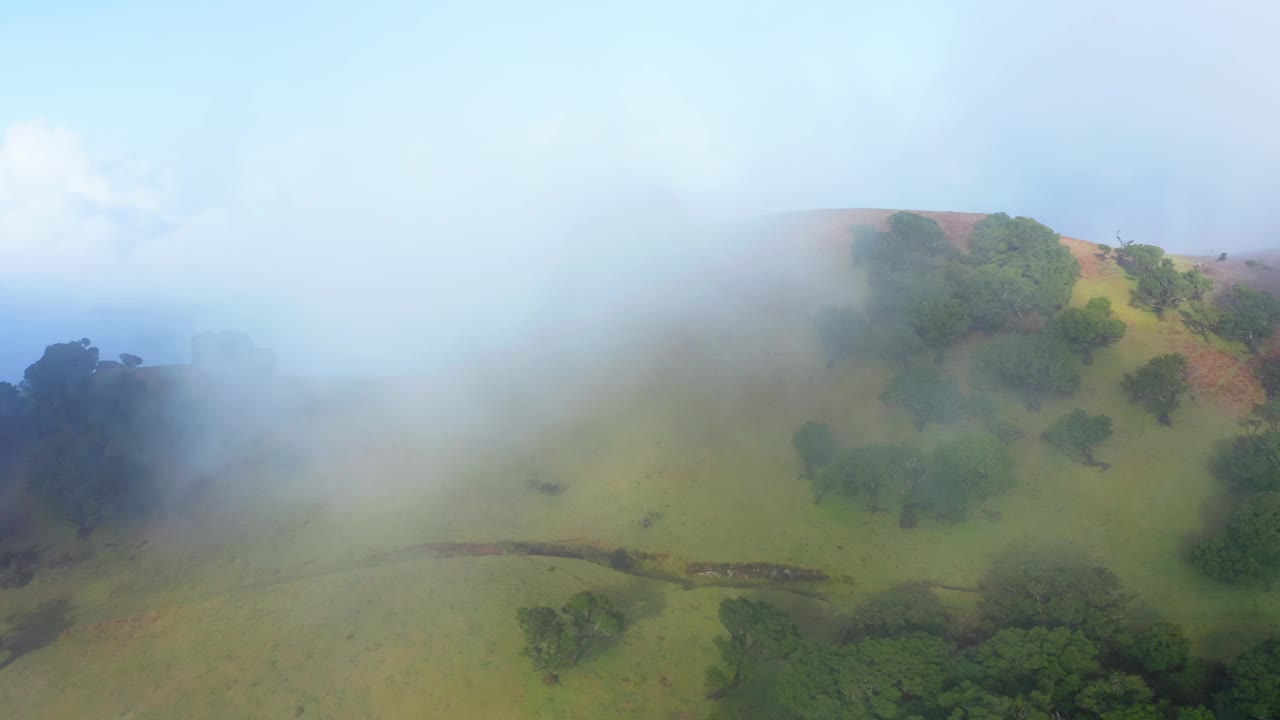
{"x":661,"y":567}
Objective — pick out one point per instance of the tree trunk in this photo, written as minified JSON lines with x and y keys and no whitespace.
{"x":1164,"y":419}
{"x":1088,"y":355}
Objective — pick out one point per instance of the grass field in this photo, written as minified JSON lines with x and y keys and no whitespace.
{"x":267,"y":606}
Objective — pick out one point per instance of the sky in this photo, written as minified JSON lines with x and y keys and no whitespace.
{"x":367,"y":187}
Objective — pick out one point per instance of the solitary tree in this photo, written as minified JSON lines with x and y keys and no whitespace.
{"x":1087,"y":328}
{"x":1104,"y":250}
{"x":873,"y":470}
{"x":555,"y":640}
{"x":965,"y":470}
{"x":757,"y":631}
{"x":130,"y":360}
{"x":1078,"y":433}
{"x":815,"y":445}
{"x":1159,"y":384}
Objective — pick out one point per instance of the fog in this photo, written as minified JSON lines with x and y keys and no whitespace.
{"x":385,"y":188}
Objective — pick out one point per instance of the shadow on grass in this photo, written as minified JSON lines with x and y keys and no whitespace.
{"x":33,"y":630}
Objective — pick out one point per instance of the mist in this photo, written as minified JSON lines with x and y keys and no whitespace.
{"x":373,"y":191}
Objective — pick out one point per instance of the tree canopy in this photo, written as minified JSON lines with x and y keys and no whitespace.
{"x":1088,"y":328}
{"x":1248,"y":546}
{"x":873,"y":471}
{"x":555,"y":640}
{"x":1248,"y":315}
{"x":757,"y":631}
{"x":963,"y":471}
{"x":1078,"y":434}
{"x":1034,"y":365}
{"x":1159,"y":384}
{"x":1055,"y":589}
{"x":816,"y":445}
{"x":929,"y":395}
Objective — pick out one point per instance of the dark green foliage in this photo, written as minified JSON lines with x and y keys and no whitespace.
{"x":1141,"y":259}
{"x":1161,"y":648}
{"x":964,"y":471}
{"x":873,"y":471}
{"x":1254,"y":685}
{"x":1029,"y":588}
{"x":1033,"y":365}
{"x":1268,"y":372}
{"x":929,"y":395}
{"x":1104,"y":250}
{"x":1088,"y":328}
{"x":130,"y":360}
{"x":1252,"y":462}
{"x":1248,"y":546}
{"x":547,"y":641}
{"x":997,"y":296}
{"x":88,"y":434}
{"x":970,"y":701}
{"x":906,"y":608}
{"x":910,"y":242}
{"x":1163,"y":287}
{"x":554,"y":641}
{"x":815,"y":445}
{"x":1114,"y":693}
{"x":881,"y":678}
{"x":894,"y":342}
{"x":1201,"y":317}
{"x":1248,"y":315}
{"x":1158,"y":384}
{"x":842,"y":331}
{"x":757,"y":631}
{"x":1047,"y":666}
{"x":940,"y":322}
{"x":1031,"y":250}
{"x":1078,"y":433}
{"x":985,"y":408}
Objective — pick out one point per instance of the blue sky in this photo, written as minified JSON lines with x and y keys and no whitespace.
{"x":333,"y":175}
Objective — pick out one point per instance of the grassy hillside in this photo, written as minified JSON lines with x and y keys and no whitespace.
{"x":262,"y":605}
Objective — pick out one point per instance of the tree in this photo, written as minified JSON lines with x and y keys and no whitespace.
{"x":894,"y":342}
{"x":1033,"y":365}
{"x":1033,"y":251}
{"x":1159,"y":384}
{"x":1268,"y":372}
{"x":873,"y":469}
{"x":1252,"y":462}
{"x":876,"y":678}
{"x":996,"y":296}
{"x":1248,"y":547}
{"x":903,"y":609}
{"x":1087,"y":328}
{"x":547,"y":642}
{"x":130,"y":360}
{"x":1249,"y":315}
{"x":554,"y":641}
{"x":842,"y":330}
{"x":1163,"y":287}
{"x":1113,"y":693}
{"x":940,"y":323}
{"x":1253,"y":689}
{"x":927,"y":394}
{"x":1161,"y":648}
{"x":964,"y":470}
{"x":757,"y":631}
{"x":815,"y":445}
{"x":910,"y":242}
{"x":1141,"y":259}
{"x":1048,"y":666}
{"x":1078,"y":433}
{"x":1202,"y":318}
{"x":1104,"y":250}
{"x":1055,"y":589}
